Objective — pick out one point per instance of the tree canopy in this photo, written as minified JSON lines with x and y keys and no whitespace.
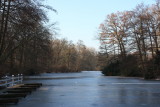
{"x":133,"y":33}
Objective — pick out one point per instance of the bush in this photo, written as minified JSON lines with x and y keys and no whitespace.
{"x":112,"y":69}
{"x":157,"y":58}
{"x":31,"y":71}
{"x":127,"y":66}
{"x":150,"y":73}
{"x":157,"y":62}
{"x":152,"y":67}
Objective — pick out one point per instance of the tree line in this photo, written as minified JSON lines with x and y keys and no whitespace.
{"x":130,"y":42}
{"x":70,"y":57}
{"x":27,"y":45}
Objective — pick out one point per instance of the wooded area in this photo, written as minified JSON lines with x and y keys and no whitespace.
{"x":130,"y":42}
{"x":69,"y":57}
{"x":27,"y":45}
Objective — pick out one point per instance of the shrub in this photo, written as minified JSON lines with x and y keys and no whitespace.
{"x":112,"y":69}
{"x":127,"y":66}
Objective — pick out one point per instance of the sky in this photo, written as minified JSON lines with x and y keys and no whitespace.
{"x":80,"y":19}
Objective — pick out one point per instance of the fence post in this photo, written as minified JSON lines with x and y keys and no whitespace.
{"x":18,"y":79}
{"x":21,"y":78}
{"x":6,"y":82}
{"x":12,"y":80}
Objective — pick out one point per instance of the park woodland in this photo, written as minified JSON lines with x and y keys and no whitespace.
{"x":129,"y":42}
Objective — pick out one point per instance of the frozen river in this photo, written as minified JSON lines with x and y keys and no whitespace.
{"x":91,"y":89}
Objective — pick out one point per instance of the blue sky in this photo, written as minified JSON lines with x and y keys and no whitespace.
{"x":80,"y":19}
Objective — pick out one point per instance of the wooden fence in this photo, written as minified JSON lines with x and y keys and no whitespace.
{"x":9,"y":81}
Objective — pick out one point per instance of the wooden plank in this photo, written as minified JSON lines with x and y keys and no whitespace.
{"x":18,"y":91}
{"x":9,"y":101}
{"x":22,"y":89}
{"x":34,"y":88}
{"x":13,"y":95}
{"x":39,"y":84}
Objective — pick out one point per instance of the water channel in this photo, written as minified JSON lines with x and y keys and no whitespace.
{"x":91,"y":89}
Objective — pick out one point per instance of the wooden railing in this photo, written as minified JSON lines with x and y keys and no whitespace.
{"x":9,"y":81}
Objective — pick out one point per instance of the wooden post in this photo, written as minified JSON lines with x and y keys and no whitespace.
{"x":12,"y":80}
{"x":21,"y":78}
{"x":18,"y":79}
{"x":6,"y":82}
